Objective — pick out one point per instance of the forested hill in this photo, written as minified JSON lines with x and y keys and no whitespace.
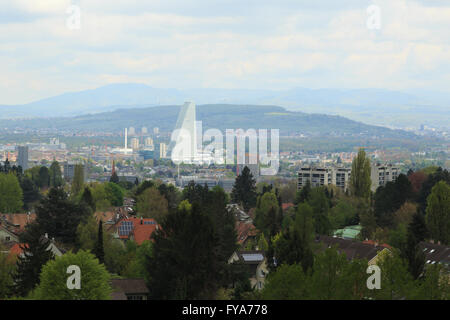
{"x":219,"y":116}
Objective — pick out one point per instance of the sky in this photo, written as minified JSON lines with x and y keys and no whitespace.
{"x":278,"y":45}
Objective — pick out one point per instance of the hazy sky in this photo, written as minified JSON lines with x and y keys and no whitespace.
{"x":222,"y":44}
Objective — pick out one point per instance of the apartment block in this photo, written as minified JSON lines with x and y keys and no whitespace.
{"x":324,"y":176}
{"x":382,"y":174}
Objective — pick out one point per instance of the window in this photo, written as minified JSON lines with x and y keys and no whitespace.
{"x":135,"y":297}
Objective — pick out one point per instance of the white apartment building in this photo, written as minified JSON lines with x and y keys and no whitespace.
{"x":323,"y":176}
{"x":382,"y":174}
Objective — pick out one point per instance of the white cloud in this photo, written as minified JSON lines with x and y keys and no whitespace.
{"x":256,"y":44}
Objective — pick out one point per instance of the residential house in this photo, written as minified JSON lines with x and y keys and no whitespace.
{"x":436,"y":253}
{"x":7,"y":236}
{"x":354,"y":249}
{"x":16,"y":222}
{"x":129,"y":289}
{"x":256,"y":262}
{"x":16,"y":249}
{"x":137,"y":229}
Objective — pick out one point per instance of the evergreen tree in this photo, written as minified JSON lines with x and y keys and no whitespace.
{"x":55,"y":174}
{"x":114,"y":178}
{"x":438,"y":212}
{"x":244,"y":190}
{"x":303,"y":194}
{"x":30,"y":192}
{"x":78,"y":179}
{"x":44,"y":177}
{"x":360,"y":182}
{"x":184,"y":263}
{"x":99,"y":250}
{"x":35,"y":254}
{"x":88,"y":199}
{"x":59,"y":216}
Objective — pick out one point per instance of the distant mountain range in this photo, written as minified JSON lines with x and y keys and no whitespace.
{"x":373,"y":106}
{"x":221,"y":116}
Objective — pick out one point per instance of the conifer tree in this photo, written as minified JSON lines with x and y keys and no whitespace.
{"x":29,"y":264}
{"x":244,"y":190}
{"x":99,"y":250}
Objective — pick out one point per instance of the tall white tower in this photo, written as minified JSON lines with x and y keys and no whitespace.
{"x":184,"y":138}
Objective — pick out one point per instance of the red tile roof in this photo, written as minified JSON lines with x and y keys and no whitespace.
{"x":142,"y":229}
{"x":20,"y":220}
{"x":374,"y":243}
{"x":245,"y":230}
{"x":143,"y":232}
{"x":16,"y":250}
{"x":285,"y":206}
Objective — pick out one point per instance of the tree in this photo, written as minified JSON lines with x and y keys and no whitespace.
{"x":294,"y":245}
{"x":320,"y":205}
{"x":438,"y":212}
{"x":59,"y":216}
{"x":56,"y":179}
{"x":268,"y":215}
{"x":360,"y":182}
{"x":114,"y":194}
{"x":303,"y":194}
{"x":88,"y":199}
{"x":114,"y":178}
{"x":223,"y":222}
{"x":405,"y":214}
{"x":10,"y":193}
{"x":98,"y":250}
{"x":78,"y":179}
{"x":433,"y":178}
{"x":367,"y":220}
{"x":433,"y":286}
{"x":288,"y":282}
{"x":136,"y":266}
{"x":151,"y":204}
{"x":342,"y":214}
{"x":390,"y":198}
{"x":418,"y":227}
{"x":184,"y":263}
{"x":35,"y":254}
{"x":30,"y":192}
{"x":6,"y":270}
{"x":44,"y":177}
{"x":87,"y":234}
{"x":244,"y":190}
{"x":396,"y":281}
{"x":94,"y":278}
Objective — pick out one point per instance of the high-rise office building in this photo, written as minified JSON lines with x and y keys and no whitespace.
{"x":148,"y":142}
{"x":135,"y":143}
{"x":162,"y":150}
{"x":22,"y":159}
{"x":131,"y":131}
{"x":183,"y":145}
{"x":144,"y":130}
{"x":155,"y":130}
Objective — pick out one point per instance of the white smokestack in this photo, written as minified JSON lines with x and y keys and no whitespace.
{"x":126,"y":138}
